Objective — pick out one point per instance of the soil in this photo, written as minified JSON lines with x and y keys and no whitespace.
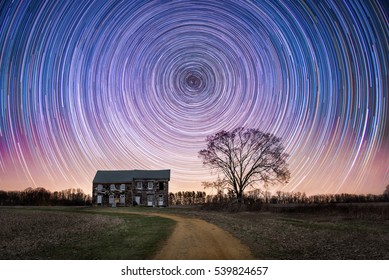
{"x":195,"y":239}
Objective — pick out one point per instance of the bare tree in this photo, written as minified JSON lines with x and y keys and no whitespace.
{"x":246,"y":157}
{"x":219,"y":186}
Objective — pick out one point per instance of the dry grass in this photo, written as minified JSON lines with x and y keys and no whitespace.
{"x":25,"y":232}
{"x":288,"y":236}
{"x":72,"y":233}
{"x":270,"y":235}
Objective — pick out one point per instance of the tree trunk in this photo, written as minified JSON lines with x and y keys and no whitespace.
{"x":239,"y":197}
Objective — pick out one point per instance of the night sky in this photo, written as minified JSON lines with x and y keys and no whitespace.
{"x":90,"y":85}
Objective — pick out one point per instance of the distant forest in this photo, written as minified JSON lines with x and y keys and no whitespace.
{"x":76,"y":197}
{"x":43,"y":197}
{"x":265,"y":197}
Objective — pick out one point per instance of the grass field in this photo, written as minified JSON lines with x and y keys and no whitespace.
{"x":104,"y":233}
{"x":305,"y":234}
{"x":74,"y":233}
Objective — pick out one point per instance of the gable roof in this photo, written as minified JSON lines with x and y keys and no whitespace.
{"x":125,"y":176}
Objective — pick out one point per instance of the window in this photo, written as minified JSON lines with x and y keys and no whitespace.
{"x":112,"y":187}
{"x":122,"y":187}
{"x":99,"y":188}
{"x":139,"y":185}
{"x":150,"y":185}
{"x":99,"y":199}
{"x":111,"y":199}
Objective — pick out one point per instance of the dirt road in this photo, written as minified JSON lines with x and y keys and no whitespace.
{"x":194,"y":239}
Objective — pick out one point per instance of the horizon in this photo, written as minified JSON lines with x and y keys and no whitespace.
{"x":271,"y":192}
{"x":117,"y":86}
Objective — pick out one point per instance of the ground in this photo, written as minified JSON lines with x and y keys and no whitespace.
{"x":361,"y":232}
{"x":106,"y":233}
{"x":195,"y":239}
{"x":332,"y":235}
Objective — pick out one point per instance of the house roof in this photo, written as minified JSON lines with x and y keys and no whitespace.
{"x":124,"y":176}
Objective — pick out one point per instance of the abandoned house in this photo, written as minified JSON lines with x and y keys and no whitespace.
{"x":131,"y":187}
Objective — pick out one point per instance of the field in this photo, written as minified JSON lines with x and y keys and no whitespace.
{"x":73,"y":233}
{"x":90,"y":233}
{"x":358,"y":231}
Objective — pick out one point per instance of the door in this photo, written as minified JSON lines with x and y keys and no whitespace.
{"x":112,"y":199}
{"x":122,"y":199}
{"x":150,"y":199}
{"x":137,"y":200}
{"x":160,"y":200}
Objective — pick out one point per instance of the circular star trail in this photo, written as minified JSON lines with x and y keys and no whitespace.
{"x":88,"y":85}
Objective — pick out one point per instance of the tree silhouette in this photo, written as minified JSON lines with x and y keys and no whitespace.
{"x":386,"y":191}
{"x":246,"y":157}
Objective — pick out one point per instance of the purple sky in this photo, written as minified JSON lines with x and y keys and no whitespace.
{"x":91,"y":85}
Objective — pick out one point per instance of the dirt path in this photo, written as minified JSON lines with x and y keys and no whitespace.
{"x":195,"y":239}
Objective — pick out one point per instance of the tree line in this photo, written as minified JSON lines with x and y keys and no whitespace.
{"x":280,"y":197}
{"x":76,"y":197}
{"x":266,"y":197}
{"x":187,"y":198}
{"x":301,"y":198}
{"x":43,"y":197}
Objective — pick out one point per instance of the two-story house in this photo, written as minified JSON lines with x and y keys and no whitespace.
{"x":131,"y":187}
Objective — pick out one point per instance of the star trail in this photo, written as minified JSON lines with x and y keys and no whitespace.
{"x":89,"y":85}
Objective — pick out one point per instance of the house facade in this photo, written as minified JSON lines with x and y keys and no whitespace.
{"x":131,"y":187}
